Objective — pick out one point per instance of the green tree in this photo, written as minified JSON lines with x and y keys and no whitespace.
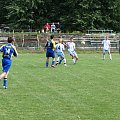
{"x":73,"y":14}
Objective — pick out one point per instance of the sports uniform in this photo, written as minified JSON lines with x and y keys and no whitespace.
{"x":50,"y":45}
{"x":106,"y":48}
{"x":59,"y":53}
{"x":8,"y":51}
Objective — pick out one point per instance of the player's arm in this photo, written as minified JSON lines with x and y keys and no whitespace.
{"x":53,"y":42}
{"x":63,"y":48}
{"x":101,"y":44}
{"x":46,"y":44}
{"x":74,"y":46}
{"x":109,"y":44}
{"x":1,"y":48}
{"x":15,"y":53}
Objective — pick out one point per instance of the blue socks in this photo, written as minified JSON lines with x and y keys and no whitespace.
{"x":46,"y":64}
{"x":61,"y":60}
{"x":5,"y":83}
{"x":53,"y":62}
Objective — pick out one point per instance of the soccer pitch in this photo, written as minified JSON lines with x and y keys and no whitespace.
{"x":88,"y":90}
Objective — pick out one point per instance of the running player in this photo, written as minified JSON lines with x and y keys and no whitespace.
{"x":59,"y":52}
{"x":71,"y":50}
{"x":8,"y":50}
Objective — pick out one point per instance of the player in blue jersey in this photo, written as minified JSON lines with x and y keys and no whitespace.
{"x":50,"y":45}
{"x":8,"y":50}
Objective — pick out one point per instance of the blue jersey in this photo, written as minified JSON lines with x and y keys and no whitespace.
{"x":8,"y":50}
{"x":50,"y":45}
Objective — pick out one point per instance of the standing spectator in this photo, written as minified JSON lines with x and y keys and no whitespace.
{"x":58,"y":27}
{"x":53,"y":28}
{"x":46,"y":27}
{"x":8,"y":50}
{"x":50,"y":45}
{"x":71,"y":50}
{"x":106,"y":47}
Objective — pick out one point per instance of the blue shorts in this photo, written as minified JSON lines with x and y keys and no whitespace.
{"x":6,"y":63}
{"x":50,"y":54}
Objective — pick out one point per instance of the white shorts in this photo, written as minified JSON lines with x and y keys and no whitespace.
{"x":106,"y":50}
{"x":60,"y":54}
{"x":73,"y":53}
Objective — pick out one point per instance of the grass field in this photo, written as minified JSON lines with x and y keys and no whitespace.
{"x":89,"y":90}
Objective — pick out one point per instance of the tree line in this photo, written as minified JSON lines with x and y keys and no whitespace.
{"x":73,"y":15}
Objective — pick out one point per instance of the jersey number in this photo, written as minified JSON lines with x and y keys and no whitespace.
{"x":7,"y":51}
{"x":59,"y":47}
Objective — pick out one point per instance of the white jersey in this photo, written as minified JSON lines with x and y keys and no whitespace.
{"x":71,"y":46}
{"x":106,"y":44}
{"x":59,"y":47}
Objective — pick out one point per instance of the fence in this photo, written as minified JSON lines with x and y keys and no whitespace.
{"x":37,"y":40}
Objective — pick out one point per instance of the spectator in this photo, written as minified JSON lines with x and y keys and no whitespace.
{"x":53,"y":27}
{"x":46,"y":27}
{"x":58,"y":27}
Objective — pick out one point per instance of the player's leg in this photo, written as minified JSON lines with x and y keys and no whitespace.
{"x":76,"y":56}
{"x":61,"y":56}
{"x":64,"y":59}
{"x":3,"y":75}
{"x":73,"y":58}
{"x":53,"y":59}
{"x":53,"y":62}
{"x":103,"y":54}
{"x":61,"y":59}
{"x":6,"y":63}
{"x":72,"y":55}
{"x":47,"y":58}
{"x":57,"y":58}
{"x":65,"y":62}
{"x":110,"y":56}
{"x":5,"y":81}
{"x":47,"y":61}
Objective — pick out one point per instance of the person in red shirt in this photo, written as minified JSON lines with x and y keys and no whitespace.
{"x":46,"y":27}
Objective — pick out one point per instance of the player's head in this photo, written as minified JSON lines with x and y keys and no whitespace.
{"x":60,"y":40}
{"x":71,"y":39}
{"x":52,"y":36}
{"x":10,"y":39}
{"x":107,"y":37}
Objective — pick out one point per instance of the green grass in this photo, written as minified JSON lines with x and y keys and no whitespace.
{"x":89,"y":90}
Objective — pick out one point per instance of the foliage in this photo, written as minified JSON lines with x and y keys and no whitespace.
{"x":78,"y":15}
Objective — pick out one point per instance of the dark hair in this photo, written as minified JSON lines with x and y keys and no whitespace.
{"x":10,"y":40}
{"x":52,"y":36}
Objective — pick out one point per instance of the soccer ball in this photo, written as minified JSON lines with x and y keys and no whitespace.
{"x":83,"y":42}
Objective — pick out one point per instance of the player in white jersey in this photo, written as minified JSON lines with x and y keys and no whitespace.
{"x":59,"y":53}
{"x":106,"y":47}
{"x":71,"y":50}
